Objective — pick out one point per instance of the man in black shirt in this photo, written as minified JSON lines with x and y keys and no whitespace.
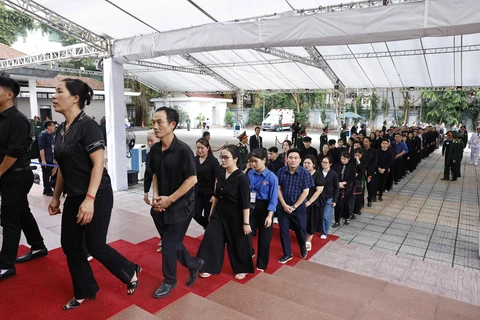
{"x":307,"y":142}
{"x":174,"y":176}
{"x":370,"y":158}
{"x":45,"y":145}
{"x":384,"y":163}
{"x":275,"y":162}
{"x":256,"y":141}
{"x":16,"y":179}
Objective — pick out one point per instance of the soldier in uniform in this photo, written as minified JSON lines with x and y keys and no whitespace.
{"x":188,"y":121}
{"x":302,"y":133}
{"x":243,"y":150}
{"x":324,"y":137}
{"x":446,"y":152}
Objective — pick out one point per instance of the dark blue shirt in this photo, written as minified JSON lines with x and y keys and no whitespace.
{"x":399,"y":147}
{"x":265,"y":185}
{"x":45,"y":143}
{"x":293,"y":184}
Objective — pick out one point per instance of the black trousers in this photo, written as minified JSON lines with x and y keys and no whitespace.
{"x":257,"y":222}
{"x":397,"y":166}
{"x":46,"y":177}
{"x":372,"y":188}
{"x":298,"y":219}
{"x":16,"y":216}
{"x":342,"y":207}
{"x":172,"y":246}
{"x":382,"y":182}
{"x":226,"y":228}
{"x":359,"y":202}
{"x":202,"y":209}
{"x":95,"y":233}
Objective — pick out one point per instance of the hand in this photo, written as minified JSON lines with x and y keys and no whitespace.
{"x":145,"y":198}
{"x":454,"y":161}
{"x":44,"y":163}
{"x":307,"y":204}
{"x":54,"y":207}
{"x":211,"y":199}
{"x":268,"y":221}
{"x":287,"y":209}
{"x":162,"y":203}
{"x":333,"y":204}
{"x":369,"y":179}
{"x":85,"y":212}
{"x":247,"y":229}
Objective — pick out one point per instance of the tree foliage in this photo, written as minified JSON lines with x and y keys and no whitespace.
{"x":229,"y":117}
{"x":385,"y":106}
{"x":474,"y":112}
{"x":255,"y":117}
{"x":445,"y":106}
{"x":13,"y":24}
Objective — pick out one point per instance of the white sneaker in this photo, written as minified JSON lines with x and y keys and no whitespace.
{"x":476,"y":163}
{"x":275,"y":220}
{"x":89,"y":258}
{"x":323,"y":236}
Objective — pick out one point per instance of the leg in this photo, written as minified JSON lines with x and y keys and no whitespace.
{"x":300,"y":217}
{"x":46,"y":175}
{"x":327,"y":216}
{"x":183,"y":256}
{"x":212,"y":247}
{"x":199,"y":210}
{"x":284,"y":224}
{"x":264,"y":239}
{"x":339,"y":209}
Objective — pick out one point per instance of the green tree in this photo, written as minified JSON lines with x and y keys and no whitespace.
{"x":473,"y":111}
{"x":13,"y":24}
{"x":255,"y":117}
{"x":374,"y":100}
{"x":181,"y":113}
{"x":385,"y":107}
{"x":229,"y":117}
{"x":445,"y":106}
{"x":277,"y":101}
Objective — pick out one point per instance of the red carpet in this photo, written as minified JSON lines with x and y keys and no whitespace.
{"x":42,"y":286}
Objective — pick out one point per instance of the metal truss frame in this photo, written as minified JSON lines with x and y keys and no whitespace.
{"x":209,"y":71}
{"x":162,"y":66}
{"x":145,"y":83}
{"x":316,"y":56}
{"x":58,"y":22}
{"x":331,"y":8}
{"x":66,"y":53}
{"x":69,"y":70}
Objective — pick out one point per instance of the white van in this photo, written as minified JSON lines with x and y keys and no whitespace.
{"x":271,"y":120}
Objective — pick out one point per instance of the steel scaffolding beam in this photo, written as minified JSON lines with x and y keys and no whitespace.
{"x":69,"y":70}
{"x":71,"y":52}
{"x":57,"y":22}
{"x":247,"y":63}
{"x":162,"y":66}
{"x":316,"y":56}
{"x":138,"y":79}
{"x":209,"y":71}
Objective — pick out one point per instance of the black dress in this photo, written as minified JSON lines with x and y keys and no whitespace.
{"x":226,"y":227}
{"x":314,"y":210}
{"x":207,"y":172}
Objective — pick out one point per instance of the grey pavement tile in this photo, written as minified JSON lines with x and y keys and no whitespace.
{"x":441,"y":256}
{"x":370,"y":234}
{"x":421,"y":230}
{"x":403,"y":221}
{"x":396,"y":232}
{"x":383,"y":218}
{"x":424,"y":225}
{"x":418,"y":236}
{"x":441,"y":248}
{"x":364,"y":240}
{"x":413,"y":250}
{"x":375,"y":228}
{"x":445,"y":229}
{"x":392,"y":238}
{"x":384,"y":250}
{"x":347,"y":236}
{"x":416,"y":243}
{"x":388,"y":245}
{"x":410,"y":256}
{"x":381,"y":223}
{"x":361,"y":245}
{"x":442,"y":240}
{"x":447,"y":235}
{"x":400,"y":226}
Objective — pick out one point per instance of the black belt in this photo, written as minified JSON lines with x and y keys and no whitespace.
{"x":29,"y":168}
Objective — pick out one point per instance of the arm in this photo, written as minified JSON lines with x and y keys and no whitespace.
{"x":6,"y":164}
{"x":315,"y":195}
{"x":301,"y":198}
{"x":165,"y":201}
{"x":54,"y":206}
{"x":41,"y":148}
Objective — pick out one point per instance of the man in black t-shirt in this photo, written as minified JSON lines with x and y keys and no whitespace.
{"x":174,"y":176}
{"x":16,"y":179}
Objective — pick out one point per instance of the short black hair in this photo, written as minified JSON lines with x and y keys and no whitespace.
{"x":307,"y":139}
{"x":358,"y":150}
{"x":259,"y":153}
{"x":48,"y":123}
{"x":206,"y":133}
{"x":368,"y":138}
{"x":273,"y":149}
{"x":11,"y":85}
{"x":331,"y":142}
{"x":294,"y":150}
{"x":312,"y":158}
{"x":172,"y":115}
{"x":257,"y":128}
{"x":287,"y":142}
{"x":345,"y":154}
{"x":233,"y":151}
{"x":77,"y":87}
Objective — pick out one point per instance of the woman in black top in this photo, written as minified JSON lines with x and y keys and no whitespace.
{"x":375,"y":143}
{"x":229,"y":221}
{"x":330,"y":194}
{"x":358,"y":189}
{"x":346,"y":176}
{"x":79,"y":151}
{"x":208,"y":171}
{"x":411,"y":160}
{"x":314,"y":198}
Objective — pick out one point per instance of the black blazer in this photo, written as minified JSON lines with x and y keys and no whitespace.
{"x":253,"y":142}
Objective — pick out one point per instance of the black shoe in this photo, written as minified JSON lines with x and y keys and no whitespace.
{"x":30,"y":255}
{"x":369,"y":203}
{"x":359,"y":214}
{"x":164,"y":290}
{"x":396,"y":182}
{"x":444,"y":179}
{"x":335,"y":225}
{"x":303,"y":252}
{"x":134,"y":284}
{"x":72,"y":304}
{"x":454,"y":179}
{"x":194,"y":273}
{"x":10,"y":273}
{"x":49,"y":194}
{"x":347,"y":221}
{"x":354,"y":216}
{"x":380,"y":198}
{"x":374,"y":199}
{"x":285,"y":258}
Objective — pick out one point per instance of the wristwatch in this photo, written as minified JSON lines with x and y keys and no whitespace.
{"x":294,"y":207}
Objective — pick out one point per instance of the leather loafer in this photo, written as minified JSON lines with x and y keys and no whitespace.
{"x":164,"y":290}
{"x":30,"y":255}
{"x":194,"y":273}
{"x":10,"y":273}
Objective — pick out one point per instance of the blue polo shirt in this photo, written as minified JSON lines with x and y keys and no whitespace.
{"x":293,"y":184}
{"x":399,"y":147}
{"x":265,"y":185}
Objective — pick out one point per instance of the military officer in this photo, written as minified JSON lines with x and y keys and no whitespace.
{"x":243,"y":150}
{"x":452,"y":156}
{"x":324,"y":137}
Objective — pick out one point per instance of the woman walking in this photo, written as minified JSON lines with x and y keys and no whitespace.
{"x":229,"y":221}
{"x":330,"y":194}
{"x":315,"y":199}
{"x":79,"y":151}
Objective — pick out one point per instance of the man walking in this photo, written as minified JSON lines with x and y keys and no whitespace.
{"x":45,"y":145}
{"x":174,"y":176}
{"x":16,"y":179}
{"x":474,"y":146}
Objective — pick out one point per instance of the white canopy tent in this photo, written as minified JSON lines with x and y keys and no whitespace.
{"x":245,"y":45}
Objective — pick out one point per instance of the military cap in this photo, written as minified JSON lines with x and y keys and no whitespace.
{"x":242,"y":135}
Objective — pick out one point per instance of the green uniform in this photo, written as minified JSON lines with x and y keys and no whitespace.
{"x":280,"y":124}
{"x":188,"y":124}
{"x":242,"y":159}
{"x":323,"y":140}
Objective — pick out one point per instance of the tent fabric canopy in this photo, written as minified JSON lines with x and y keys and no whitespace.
{"x":365,"y":48}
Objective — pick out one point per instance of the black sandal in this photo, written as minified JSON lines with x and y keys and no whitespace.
{"x":72,"y":304}
{"x":133,"y":285}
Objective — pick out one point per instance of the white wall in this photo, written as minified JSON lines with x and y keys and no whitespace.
{"x":194,"y":108}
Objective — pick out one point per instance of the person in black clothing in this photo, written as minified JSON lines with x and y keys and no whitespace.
{"x":358,"y":189}
{"x":417,"y":143}
{"x":370,"y":163}
{"x":148,"y":176}
{"x":208,"y":171}
{"x":353,"y":129}
{"x":16,"y":180}
{"x":229,"y":221}
{"x":410,"y":165}
{"x":346,"y":177}
{"x":307,"y":142}
{"x":334,"y":152}
{"x":314,"y":199}
{"x":256,"y":141}
{"x":79,"y":151}
{"x":174,"y":178}
{"x":295,"y":132}
{"x":45,"y":145}
{"x":384,"y":164}
{"x":274,"y":161}
{"x":330,"y":194}
{"x":375,"y":144}
{"x":384,"y":127}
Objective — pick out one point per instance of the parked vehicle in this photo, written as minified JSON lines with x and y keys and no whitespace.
{"x":271,"y":121}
